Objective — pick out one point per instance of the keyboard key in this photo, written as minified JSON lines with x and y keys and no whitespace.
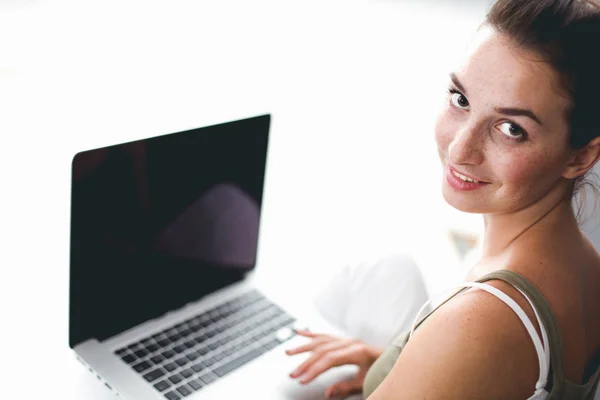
{"x":157,"y":359}
{"x":203,"y":350}
{"x":238,"y":346}
{"x":184,"y":390}
{"x":176,"y":378}
{"x":152,"y":347}
{"x":133,"y":346}
{"x":154,"y":375}
{"x":162,"y":386}
{"x":214,"y":345}
{"x":182,"y":361}
{"x":180,"y":326}
{"x":141,"y":353}
{"x":209,"y":361}
{"x":229,"y":351}
{"x":205,"y":323}
{"x":223,"y":307}
{"x":175,"y":337}
{"x":192,"y":356}
{"x":185,"y":332}
{"x":129,"y":358}
{"x":263,"y":318}
{"x":196,"y":384}
{"x":198,"y":367}
{"x":237,"y":362}
{"x":146,"y":342}
{"x":170,"y":367}
{"x":180,"y":348}
{"x":142,"y":366}
{"x":207,"y":378}
{"x":186,"y":373}
{"x":219,"y":310}
{"x":171,"y":331}
{"x":163,"y":342}
{"x":272,"y":344}
{"x":210,"y":333}
{"x":220,"y":329}
{"x":121,"y":351}
{"x":172,"y":396}
{"x":200,"y":338}
{"x":229,"y":324}
{"x":167,"y":354}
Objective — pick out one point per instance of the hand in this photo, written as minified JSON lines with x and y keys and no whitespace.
{"x":330,"y":351}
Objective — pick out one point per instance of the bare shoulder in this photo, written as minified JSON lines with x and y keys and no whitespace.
{"x":474,"y":346}
{"x":569,"y":279}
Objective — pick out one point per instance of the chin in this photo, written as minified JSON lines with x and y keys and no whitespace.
{"x":466,"y":202}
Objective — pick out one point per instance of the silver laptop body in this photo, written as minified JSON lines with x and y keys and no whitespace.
{"x":164,"y":300}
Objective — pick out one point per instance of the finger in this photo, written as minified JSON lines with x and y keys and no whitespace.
{"x":308,"y":347}
{"x":346,"y":355}
{"x":319,"y":353}
{"x":307,"y":333}
{"x":344,"y":388}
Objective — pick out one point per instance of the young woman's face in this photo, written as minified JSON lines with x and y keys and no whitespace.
{"x":503,"y":125}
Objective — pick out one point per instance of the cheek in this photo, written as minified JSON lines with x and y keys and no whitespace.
{"x":524,"y":169}
{"x":443,"y":131}
{"x":513,"y":170}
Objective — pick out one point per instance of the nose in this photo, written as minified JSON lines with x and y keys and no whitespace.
{"x":466,"y":147}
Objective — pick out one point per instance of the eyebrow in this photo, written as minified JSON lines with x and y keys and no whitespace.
{"x":511,"y":111}
{"x":456,"y":82}
{"x":516,"y":112}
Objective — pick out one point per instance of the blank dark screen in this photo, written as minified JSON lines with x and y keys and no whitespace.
{"x":160,"y":222}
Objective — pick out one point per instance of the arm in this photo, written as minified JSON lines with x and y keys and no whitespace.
{"x":474,"y":347}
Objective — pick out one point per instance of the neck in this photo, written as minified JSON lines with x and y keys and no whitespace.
{"x":503,"y":231}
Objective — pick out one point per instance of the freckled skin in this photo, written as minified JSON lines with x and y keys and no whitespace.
{"x":497,"y":74}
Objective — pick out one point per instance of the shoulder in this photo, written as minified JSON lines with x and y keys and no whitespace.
{"x":474,"y":346}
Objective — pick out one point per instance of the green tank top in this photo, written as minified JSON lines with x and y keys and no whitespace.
{"x":558,"y":386}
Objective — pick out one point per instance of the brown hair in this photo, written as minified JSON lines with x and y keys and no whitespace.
{"x":566,"y":34}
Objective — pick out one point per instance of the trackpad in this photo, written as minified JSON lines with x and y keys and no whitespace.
{"x":315,"y":390}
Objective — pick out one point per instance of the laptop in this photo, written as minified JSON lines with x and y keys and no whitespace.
{"x":164,"y":303}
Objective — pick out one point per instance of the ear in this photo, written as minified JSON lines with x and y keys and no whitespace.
{"x":583,"y":160}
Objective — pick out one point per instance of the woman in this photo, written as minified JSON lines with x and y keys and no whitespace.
{"x":516,"y":139}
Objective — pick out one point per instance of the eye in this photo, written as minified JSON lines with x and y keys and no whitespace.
{"x":513,"y":131}
{"x":458,"y":99}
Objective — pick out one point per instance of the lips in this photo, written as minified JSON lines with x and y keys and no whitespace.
{"x":460,"y":181}
{"x":465,"y":177}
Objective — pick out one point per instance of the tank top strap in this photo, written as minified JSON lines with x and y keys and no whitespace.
{"x":542,"y":308}
{"x":541,"y":346}
{"x":417,"y":322}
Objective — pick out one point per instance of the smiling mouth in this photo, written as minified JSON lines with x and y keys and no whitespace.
{"x":464,"y":178}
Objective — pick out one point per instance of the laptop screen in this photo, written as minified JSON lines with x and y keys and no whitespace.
{"x":160,"y":222}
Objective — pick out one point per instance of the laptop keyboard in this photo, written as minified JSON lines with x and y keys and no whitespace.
{"x":186,"y":357}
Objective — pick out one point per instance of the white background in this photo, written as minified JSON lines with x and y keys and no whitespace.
{"x":353,"y":87}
